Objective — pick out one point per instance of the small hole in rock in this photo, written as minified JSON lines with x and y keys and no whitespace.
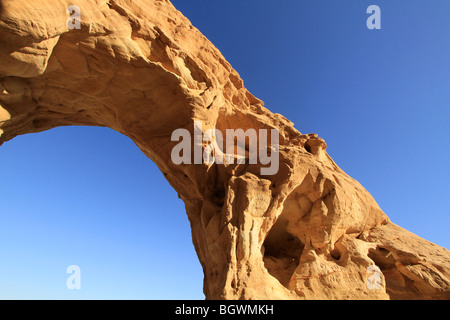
{"x":282,"y":251}
{"x":308,"y":148}
{"x":219,"y":196}
{"x":335,"y":254}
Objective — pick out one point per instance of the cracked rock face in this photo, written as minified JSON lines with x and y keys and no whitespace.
{"x":139,"y":67}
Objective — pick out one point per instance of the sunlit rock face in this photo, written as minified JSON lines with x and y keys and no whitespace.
{"x":302,"y":230}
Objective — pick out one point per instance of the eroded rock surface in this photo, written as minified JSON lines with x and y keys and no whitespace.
{"x":140,"y":67}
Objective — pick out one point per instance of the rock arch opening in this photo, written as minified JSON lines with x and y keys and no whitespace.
{"x":87,"y":196}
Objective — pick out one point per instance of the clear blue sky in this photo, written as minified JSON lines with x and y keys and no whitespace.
{"x":380,"y":99}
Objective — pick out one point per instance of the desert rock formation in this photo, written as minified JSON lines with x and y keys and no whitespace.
{"x":140,"y":67}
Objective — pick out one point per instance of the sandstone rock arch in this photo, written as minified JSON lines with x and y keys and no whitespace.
{"x":141,"y":68}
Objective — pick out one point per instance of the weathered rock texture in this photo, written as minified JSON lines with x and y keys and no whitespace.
{"x":142,"y":69}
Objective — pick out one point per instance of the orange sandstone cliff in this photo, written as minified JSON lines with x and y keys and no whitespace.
{"x":139,"y":67}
